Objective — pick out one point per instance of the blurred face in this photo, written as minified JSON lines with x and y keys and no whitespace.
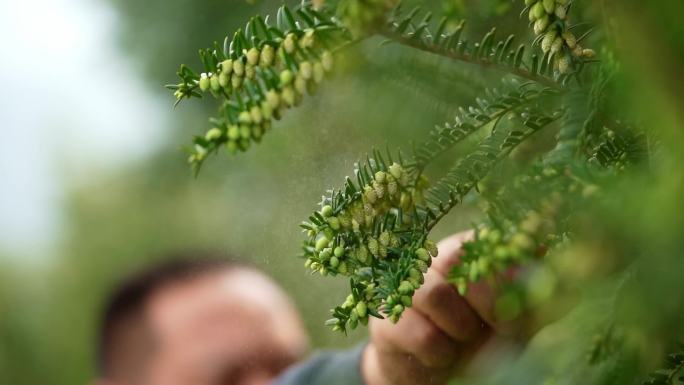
{"x":234,"y":327}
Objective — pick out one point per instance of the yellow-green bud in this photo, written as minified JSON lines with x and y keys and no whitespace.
{"x":232,"y":147}
{"x":564,"y":64}
{"x":327,"y":61}
{"x":227,"y":66}
{"x":236,"y":81}
{"x":342,"y":268}
{"x":286,"y":77}
{"x":334,"y":223}
{"x":384,"y":238}
{"x":204,"y":82}
{"x":373,"y":246}
{"x":523,"y":242}
{"x":361,"y":309}
{"x":273,"y":99}
{"x":238,"y":67}
{"x":307,"y":40}
{"x":548,"y":40}
{"x":549,"y":5}
{"x":318,"y":72}
{"x":250,"y":72}
{"x":422,"y":254}
{"x":405,"y":288}
{"x":561,"y":11}
{"x":288,"y":96}
{"x":557,"y":45}
{"x":266,"y":110}
{"x":213,"y":134}
{"x":370,"y":195}
{"x":406,"y":301}
{"x":300,"y":84}
{"x":233,"y":132}
{"x":245,"y":131}
{"x":245,"y":117}
{"x":267,"y":55}
{"x":253,"y":56}
{"x":431,"y":247}
{"x":396,"y":170}
{"x":541,"y":24}
{"x":421,"y":265}
{"x":588,"y":53}
{"x":224,"y":79}
{"x":379,"y":189}
{"x":570,"y":39}
{"x":327,"y":211}
{"x":255,"y":114}
{"x":339,"y":251}
{"x":306,"y":70}
{"x":321,"y":243}
{"x":289,"y":43}
{"x":334,"y":262}
{"x":397,"y":309}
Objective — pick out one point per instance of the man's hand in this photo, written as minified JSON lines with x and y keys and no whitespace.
{"x":440,"y":332}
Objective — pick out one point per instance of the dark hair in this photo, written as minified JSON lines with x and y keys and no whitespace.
{"x":128,"y":298}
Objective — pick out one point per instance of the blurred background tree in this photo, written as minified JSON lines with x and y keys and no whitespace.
{"x":248,"y":206}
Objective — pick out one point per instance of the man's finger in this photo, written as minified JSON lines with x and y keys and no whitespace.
{"x":416,"y":335}
{"x":438,"y":300}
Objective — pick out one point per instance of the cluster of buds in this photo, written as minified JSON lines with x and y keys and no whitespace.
{"x":493,"y":250}
{"x":264,"y":100}
{"x":371,"y":234}
{"x":549,"y":18}
{"x":364,"y":15}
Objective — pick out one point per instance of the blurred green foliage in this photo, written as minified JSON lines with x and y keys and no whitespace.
{"x":248,"y":206}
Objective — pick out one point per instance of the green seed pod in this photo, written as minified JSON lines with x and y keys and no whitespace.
{"x":384,"y":238}
{"x":289,"y":43}
{"x":204,"y":82}
{"x":422,"y":254}
{"x":396,"y":170}
{"x":233,"y":132}
{"x":405,"y":288}
{"x":224,"y":79}
{"x":238,"y":67}
{"x":321,"y":243}
{"x":245,"y":131}
{"x":334,"y":262}
{"x":213,"y":134}
{"x":334,"y":223}
{"x":339,"y":251}
{"x":253,"y":56}
{"x":232,"y":147}
{"x":414,"y":273}
{"x":288,"y":96}
{"x":327,"y":61}
{"x":394,"y":318}
{"x":327,"y":211}
{"x":318,"y":72}
{"x":361,"y":309}
{"x":267,"y":55}
{"x":380,"y":176}
{"x":548,"y":40}
{"x":549,"y":5}
{"x":349,"y":302}
{"x":227,"y":66}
